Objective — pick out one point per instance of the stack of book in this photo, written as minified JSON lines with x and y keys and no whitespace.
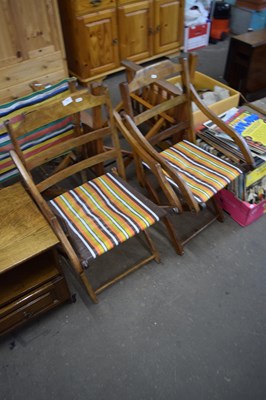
{"x":250,"y":186}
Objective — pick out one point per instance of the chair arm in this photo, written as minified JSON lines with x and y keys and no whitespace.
{"x":239,"y":141}
{"x":46,"y":211}
{"x":158,"y":166}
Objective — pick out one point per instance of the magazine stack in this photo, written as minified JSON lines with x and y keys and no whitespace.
{"x":245,"y":198}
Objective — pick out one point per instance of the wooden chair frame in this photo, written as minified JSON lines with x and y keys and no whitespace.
{"x":144,"y":153}
{"x":164,"y":110}
{"x":78,"y":102}
{"x":147,"y":95}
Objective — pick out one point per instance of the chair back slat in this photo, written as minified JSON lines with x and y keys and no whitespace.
{"x":57,"y":109}
{"x":153,"y":73}
{"x":61,"y":148}
{"x":158,"y":109}
{"x":77,"y":167}
{"x":78,"y":145}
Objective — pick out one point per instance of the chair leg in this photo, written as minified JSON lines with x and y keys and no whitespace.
{"x":169,"y":226}
{"x":178,"y":246}
{"x":152,"y":246}
{"x":154,"y":256}
{"x":88,"y":287}
{"x":218,"y":210}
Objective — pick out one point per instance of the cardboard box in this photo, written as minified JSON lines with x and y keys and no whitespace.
{"x":202,"y":81}
{"x":241,"y":211}
{"x":196,"y":37}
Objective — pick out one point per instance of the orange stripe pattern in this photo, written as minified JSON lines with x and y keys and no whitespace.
{"x":103,"y":213}
{"x":203,"y":172}
{"x":33,"y":142}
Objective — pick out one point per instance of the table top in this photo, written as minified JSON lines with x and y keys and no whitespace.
{"x":256,"y":38}
{"x":24,"y":232}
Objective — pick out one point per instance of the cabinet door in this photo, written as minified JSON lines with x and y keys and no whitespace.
{"x":10,"y":52}
{"x":167,"y":28}
{"x":36,"y":26}
{"x":135,"y":30}
{"x":98,"y":35}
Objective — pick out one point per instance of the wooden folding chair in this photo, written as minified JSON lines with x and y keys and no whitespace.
{"x":186,"y":176}
{"x":163,"y":112}
{"x":90,"y":218}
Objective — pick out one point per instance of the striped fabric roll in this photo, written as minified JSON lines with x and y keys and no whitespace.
{"x":203,"y":172}
{"x":103,"y":213}
{"x":32,"y":142}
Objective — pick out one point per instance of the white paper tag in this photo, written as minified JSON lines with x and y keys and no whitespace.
{"x":79,"y":99}
{"x":67,"y":101}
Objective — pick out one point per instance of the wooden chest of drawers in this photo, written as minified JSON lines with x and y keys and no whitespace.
{"x":31,"y":281}
{"x":245,"y":68}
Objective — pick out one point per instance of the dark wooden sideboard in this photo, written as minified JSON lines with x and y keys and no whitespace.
{"x":245,"y":68}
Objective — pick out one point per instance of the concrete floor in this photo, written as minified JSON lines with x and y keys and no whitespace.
{"x":189,"y":328}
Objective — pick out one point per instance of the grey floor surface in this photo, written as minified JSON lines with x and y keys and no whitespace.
{"x":189,"y":328}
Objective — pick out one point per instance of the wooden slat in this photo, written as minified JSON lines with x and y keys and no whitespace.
{"x":30,"y":69}
{"x":61,"y":148}
{"x":158,"y":109}
{"x":73,"y":169}
{"x":22,"y":89}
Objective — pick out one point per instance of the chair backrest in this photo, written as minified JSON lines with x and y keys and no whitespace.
{"x":58,"y":110}
{"x":145,"y":153}
{"x":149,"y":97}
{"x":33,"y":144}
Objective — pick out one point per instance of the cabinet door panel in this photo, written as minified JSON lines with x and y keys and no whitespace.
{"x":135,"y":30}
{"x":36,"y":27}
{"x":10,"y":51}
{"x":100,"y":43}
{"x":166,"y":17}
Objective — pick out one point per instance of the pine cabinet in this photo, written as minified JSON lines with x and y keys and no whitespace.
{"x":99,"y":34}
{"x":168,"y":20}
{"x":135,"y":30}
{"x":31,"y":45}
{"x":99,"y":52}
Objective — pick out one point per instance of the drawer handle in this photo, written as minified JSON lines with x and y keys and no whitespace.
{"x":95,"y":3}
{"x":27,"y":314}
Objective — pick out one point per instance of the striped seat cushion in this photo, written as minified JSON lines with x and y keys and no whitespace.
{"x":32,"y":142}
{"x":204,"y":173}
{"x":103,"y":213}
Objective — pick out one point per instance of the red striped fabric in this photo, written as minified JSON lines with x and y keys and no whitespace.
{"x":203,"y":172}
{"x":33,"y":142}
{"x":103,"y":213}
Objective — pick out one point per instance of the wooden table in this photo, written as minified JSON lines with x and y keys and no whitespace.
{"x":245,"y":68}
{"x":31,"y":281}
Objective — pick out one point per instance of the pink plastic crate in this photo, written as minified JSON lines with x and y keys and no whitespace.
{"x":241,"y":211}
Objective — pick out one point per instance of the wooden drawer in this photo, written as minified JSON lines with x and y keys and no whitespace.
{"x":43,"y":299}
{"x":80,"y":7}
{"x":121,"y":2}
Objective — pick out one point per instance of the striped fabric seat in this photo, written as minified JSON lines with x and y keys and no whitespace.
{"x":32,"y":142}
{"x":103,"y":213}
{"x":204,"y":173}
